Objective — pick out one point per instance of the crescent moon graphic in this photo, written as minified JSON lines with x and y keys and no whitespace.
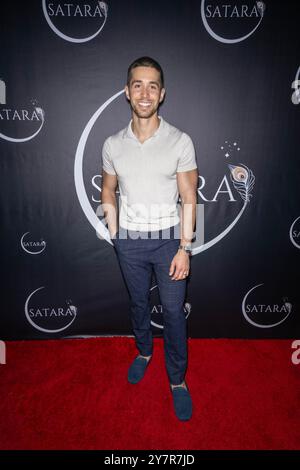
{"x":64,"y":36}
{"x":215,"y":240}
{"x":25,"y":139}
{"x":220,"y":38}
{"x":37,"y":326}
{"x":31,"y":252}
{"x":251,"y":321}
{"x":78,"y":173}
{"x":291,"y":233}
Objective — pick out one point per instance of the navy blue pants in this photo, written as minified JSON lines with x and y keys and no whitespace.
{"x":138,"y":256}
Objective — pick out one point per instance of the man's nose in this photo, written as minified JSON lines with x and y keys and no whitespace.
{"x":145,"y":92}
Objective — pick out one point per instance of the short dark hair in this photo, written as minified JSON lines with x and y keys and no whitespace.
{"x":145,"y":62}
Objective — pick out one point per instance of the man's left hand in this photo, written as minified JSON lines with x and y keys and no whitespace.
{"x":180,"y":266}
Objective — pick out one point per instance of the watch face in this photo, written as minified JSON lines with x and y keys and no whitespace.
{"x":186,"y":248}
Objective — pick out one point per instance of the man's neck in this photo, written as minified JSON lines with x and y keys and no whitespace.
{"x":142,"y":128}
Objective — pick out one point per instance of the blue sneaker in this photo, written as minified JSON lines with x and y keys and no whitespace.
{"x":182,"y":403}
{"x":137,"y":369}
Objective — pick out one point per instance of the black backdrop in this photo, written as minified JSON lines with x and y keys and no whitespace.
{"x":238,"y":101}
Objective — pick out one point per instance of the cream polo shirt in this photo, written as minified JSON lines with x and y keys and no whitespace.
{"x":146,"y":175}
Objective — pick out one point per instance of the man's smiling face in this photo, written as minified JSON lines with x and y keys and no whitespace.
{"x":144,"y":92}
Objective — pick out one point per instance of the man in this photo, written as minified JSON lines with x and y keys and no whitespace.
{"x":153,"y":163}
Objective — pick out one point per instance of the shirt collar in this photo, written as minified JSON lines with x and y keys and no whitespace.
{"x":128,"y":132}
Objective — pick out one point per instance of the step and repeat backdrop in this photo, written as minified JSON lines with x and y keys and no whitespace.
{"x":232,"y":72}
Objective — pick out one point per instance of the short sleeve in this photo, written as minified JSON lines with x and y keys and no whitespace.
{"x":107,"y":163}
{"x":187,"y":159}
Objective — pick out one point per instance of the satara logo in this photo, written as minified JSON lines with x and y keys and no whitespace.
{"x":68,"y":20}
{"x":262,"y":314}
{"x":295,"y":233}
{"x":19,"y":119}
{"x":239,"y":19}
{"x":296,"y":86}
{"x":49,"y":319}
{"x":295,"y":358}
{"x":241,"y":180}
{"x":32,"y":247}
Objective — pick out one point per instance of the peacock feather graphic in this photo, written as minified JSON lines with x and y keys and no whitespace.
{"x":71,"y":307}
{"x":261,"y":7}
{"x":243,"y":180}
{"x":103,"y":7}
{"x":287,"y":304}
{"x":187,"y":307}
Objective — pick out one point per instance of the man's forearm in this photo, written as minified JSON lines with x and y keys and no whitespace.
{"x":187,"y":218}
{"x":109,"y":206}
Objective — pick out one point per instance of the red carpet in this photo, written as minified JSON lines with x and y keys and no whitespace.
{"x":73,"y":394}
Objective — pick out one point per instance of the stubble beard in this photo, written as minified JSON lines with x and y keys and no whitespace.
{"x":146,"y":114}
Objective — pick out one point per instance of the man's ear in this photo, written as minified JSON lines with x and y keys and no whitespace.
{"x":162,"y":95}
{"x":127,"y":92}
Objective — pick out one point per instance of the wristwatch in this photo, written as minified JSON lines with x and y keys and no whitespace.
{"x":186,"y":248}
